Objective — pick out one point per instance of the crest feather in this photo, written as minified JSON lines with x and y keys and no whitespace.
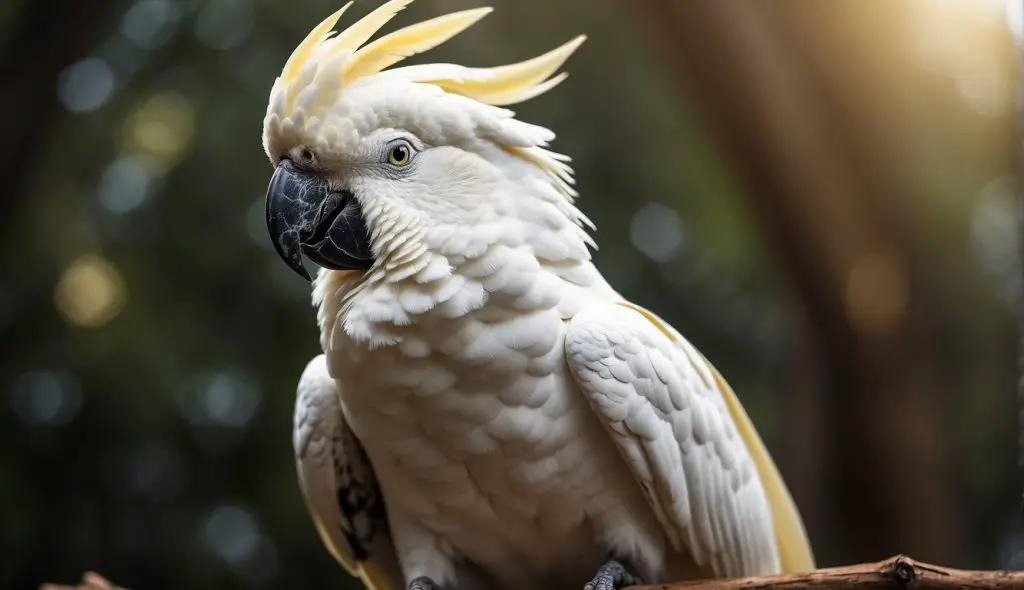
{"x":394,"y":47}
{"x":346,"y":57}
{"x":300,"y":56}
{"x":321,"y":67}
{"x":360,"y":31}
{"x":513,"y":83}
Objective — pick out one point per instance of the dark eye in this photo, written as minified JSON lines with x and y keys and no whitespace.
{"x":399,"y":154}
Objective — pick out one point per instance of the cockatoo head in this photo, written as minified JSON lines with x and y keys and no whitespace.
{"x":380,"y":167}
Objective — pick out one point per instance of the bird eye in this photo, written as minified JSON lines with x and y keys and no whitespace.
{"x":400,"y":154}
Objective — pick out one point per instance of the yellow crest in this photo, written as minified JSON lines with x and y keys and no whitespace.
{"x":323,"y":64}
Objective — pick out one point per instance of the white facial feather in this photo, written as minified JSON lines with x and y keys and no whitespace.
{"x":482,"y":185}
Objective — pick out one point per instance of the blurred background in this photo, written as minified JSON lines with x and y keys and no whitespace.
{"x":822,"y":196}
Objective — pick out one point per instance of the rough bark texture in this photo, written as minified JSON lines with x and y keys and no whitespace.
{"x":895,"y":573}
{"x":892,"y":574}
{"x":827,"y":208}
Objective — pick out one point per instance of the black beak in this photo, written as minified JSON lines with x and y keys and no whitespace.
{"x":305,"y":217}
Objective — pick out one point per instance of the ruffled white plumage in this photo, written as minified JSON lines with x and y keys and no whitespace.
{"x":524,"y":422}
{"x":660,"y":404}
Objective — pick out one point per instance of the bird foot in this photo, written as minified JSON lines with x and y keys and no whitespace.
{"x":423,"y":583}
{"x":611,"y":576}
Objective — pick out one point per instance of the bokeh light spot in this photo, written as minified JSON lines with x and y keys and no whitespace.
{"x":161,"y":129}
{"x":231,"y":532}
{"x":124,"y":184}
{"x":86,"y":85}
{"x":91,"y":292}
{"x":995,"y":236}
{"x":953,"y":38}
{"x":46,"y":398}
{"x":226,"y":398}
{"x":148,"y":23}
{"x":657,"y":232}
{"x":877,"y":292}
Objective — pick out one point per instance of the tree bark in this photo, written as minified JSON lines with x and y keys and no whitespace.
{"x":892,"y":574}
{"x":847,"y":259}
{"x":1020,"y":236}
{"x":47,"y":38}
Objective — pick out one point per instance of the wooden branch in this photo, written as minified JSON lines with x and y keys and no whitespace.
{"x":891,"y":574}
{"x":90,"y":581}
{"x":894,"y":573}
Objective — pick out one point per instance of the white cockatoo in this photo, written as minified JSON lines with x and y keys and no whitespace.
{"x":488,"y":412}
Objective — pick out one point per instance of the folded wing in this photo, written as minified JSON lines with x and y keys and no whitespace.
{"x":685,"y":441}
{"x":339,"y":485}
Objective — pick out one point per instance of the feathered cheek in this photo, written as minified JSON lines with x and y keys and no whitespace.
{"x":397,"y":235}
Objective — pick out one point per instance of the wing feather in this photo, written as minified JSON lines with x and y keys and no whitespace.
{"x":790,"y":535}
{"x":678,"y":432}
{"x":338,"y":483}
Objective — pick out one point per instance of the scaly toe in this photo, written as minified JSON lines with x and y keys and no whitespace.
{"x":611,"y":576}
{"x":423,"y":583}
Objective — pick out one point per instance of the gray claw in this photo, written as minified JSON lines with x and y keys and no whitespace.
{"x":423,"y":583}
{"x":612,"y":576}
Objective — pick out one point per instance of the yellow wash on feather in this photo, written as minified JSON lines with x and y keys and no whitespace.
{"x":794,"y":546}
{"x":395,"y":47}
{"x":501,"y":85}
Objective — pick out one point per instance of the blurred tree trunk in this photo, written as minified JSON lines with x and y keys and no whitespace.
{"x":1019,"y":186}
{"x":44,"y":39}
{"x":770,"y":78}
{"x":801,"y":418}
